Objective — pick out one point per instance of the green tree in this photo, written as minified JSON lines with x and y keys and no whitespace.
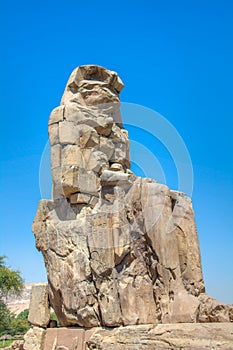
{"x":18,"y":326}
{"x":21,"y":322}
{"x":5,"y":319}
{"x":23,"y":314}
{"x":10,"y":282}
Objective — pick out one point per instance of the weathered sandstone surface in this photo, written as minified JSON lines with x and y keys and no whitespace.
{"x":39,"y":311}
{"x":187,"y":336}
{"x":34,"y":339}
{"x":160,"y":337}
{"x":118,"y":249}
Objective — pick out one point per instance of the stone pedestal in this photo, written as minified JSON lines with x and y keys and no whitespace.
{"x":187,"y":336}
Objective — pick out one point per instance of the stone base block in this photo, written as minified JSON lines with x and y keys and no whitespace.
{"x":185,"y":336}
{"x":67,"y":338}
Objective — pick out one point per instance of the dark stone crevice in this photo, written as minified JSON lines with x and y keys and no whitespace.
{"x":173,"y":203}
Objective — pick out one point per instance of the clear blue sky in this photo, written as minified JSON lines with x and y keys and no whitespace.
{"x":175,"y":57}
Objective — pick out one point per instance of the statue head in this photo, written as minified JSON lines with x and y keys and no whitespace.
{"x":86,"y":134}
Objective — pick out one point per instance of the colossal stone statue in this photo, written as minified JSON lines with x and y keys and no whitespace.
{"x":118,"y":249}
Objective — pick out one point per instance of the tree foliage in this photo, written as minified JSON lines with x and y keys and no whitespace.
{"x":24,"y":314}
{"x":12,"y":325}
{"x":5,"y":317}
{"x":11,"y":282}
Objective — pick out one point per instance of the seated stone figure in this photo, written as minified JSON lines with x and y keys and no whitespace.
{"x":118,"y":249}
